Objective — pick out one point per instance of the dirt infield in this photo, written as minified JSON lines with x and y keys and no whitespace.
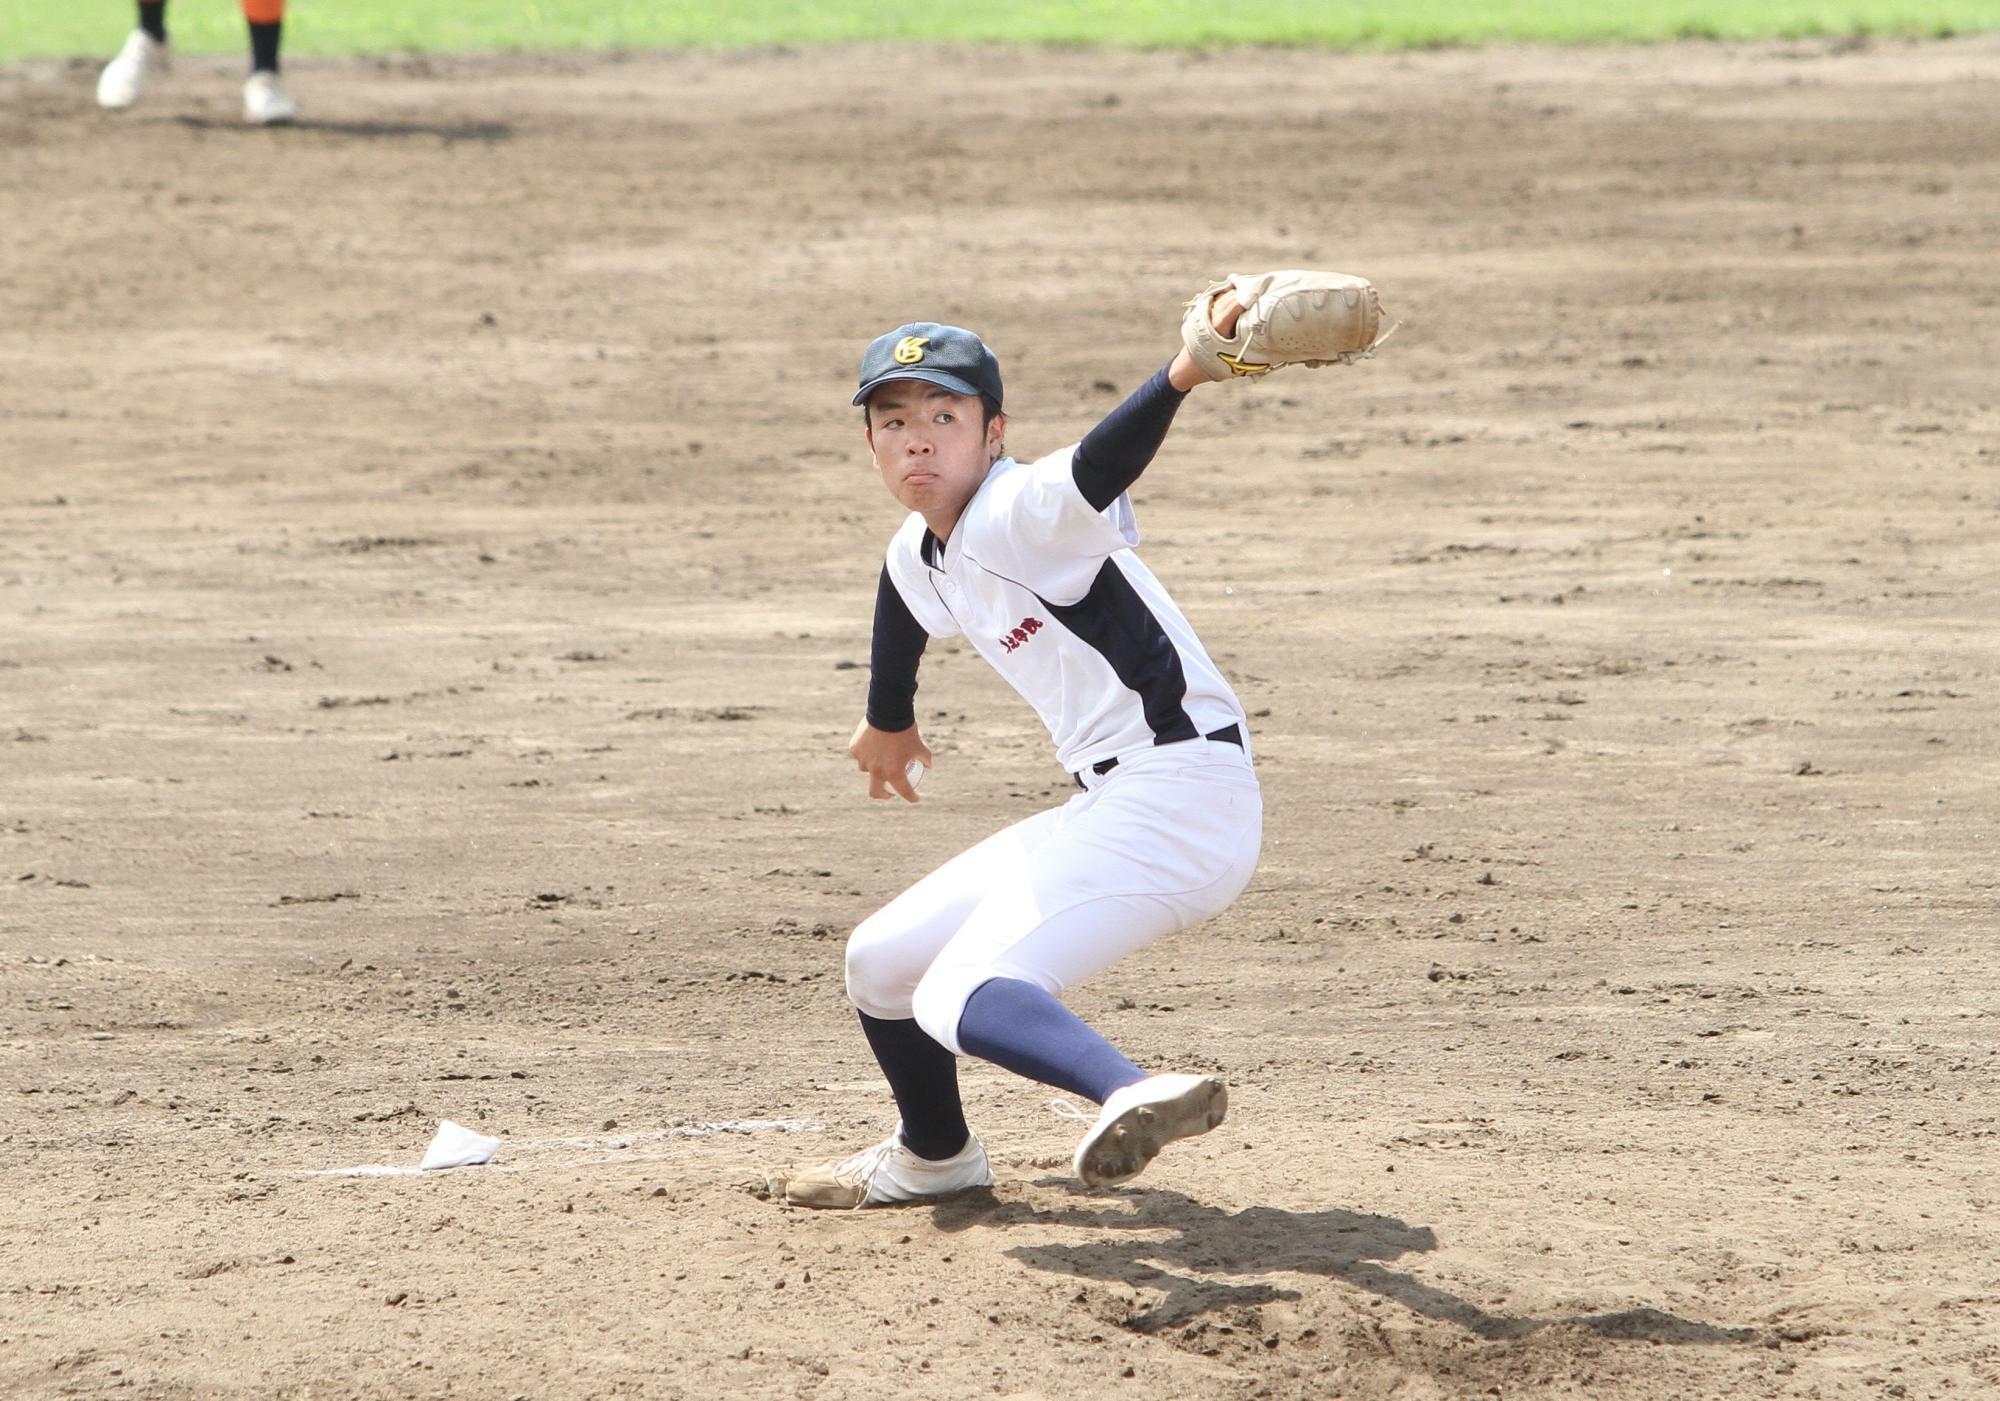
{"x":435,"y":562}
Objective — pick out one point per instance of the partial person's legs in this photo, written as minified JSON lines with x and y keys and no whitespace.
{"x":1023,"y":1028}
{"x":1162,"y":846}
{"x":143,"y":55}
{"x":1166,"y":843}
{"x":266,"y":19}
{"x":889,"y":953}
{"x":932,"y":1152}
{"x":923,"y":1079}
{"x":971,"y":958}
{"x":265,"y":100}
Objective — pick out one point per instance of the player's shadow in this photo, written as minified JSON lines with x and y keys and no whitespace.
{"x":1159,"y":1240}
{"x":488,"y":132}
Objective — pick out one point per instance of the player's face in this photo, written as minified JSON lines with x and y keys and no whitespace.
{"x":930,"y":446}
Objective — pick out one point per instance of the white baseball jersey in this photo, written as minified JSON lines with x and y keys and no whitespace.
{"x":1049,"y":591}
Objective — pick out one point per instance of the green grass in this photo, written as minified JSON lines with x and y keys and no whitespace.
{"x":43,"y":28}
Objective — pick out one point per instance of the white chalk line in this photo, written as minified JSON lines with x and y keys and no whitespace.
{"x":534,"y":1146}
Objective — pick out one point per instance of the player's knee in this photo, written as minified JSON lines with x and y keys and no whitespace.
{"x":878,"y":983}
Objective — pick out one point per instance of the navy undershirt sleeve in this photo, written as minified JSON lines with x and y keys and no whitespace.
{"x":1114,"y":453}
{"x":892,"y":660}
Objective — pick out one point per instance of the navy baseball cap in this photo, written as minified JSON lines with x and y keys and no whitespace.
{"x":950,"y":357}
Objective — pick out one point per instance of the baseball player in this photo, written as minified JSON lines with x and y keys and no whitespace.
{"x":265,"y":101}
{"x":1034,"y":564}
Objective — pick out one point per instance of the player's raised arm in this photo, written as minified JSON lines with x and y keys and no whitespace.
{"x":1114,"y":453}
{"x":1241,"y":327}
{"x":886,"y":743}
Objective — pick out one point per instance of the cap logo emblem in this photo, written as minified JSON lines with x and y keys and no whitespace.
{"x":910,"y":350}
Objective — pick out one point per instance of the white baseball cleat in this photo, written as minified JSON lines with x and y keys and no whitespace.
{"x":1142,"y":1118}
{"x":889,"y":1174}
{"x":266,"y":103}
{"x":124,"y":78}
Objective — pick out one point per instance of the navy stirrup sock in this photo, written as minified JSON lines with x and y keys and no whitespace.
{"x":264,"y":39}
{"x":923,"y":1076}
{"x":1021,"y":1028}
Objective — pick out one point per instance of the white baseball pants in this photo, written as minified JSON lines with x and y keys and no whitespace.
{"x":1165,"y":840}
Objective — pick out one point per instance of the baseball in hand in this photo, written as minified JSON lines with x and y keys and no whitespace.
{"x":914,"y":771}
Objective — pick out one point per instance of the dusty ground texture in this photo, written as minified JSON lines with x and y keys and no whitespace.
{"x":435,"y":556}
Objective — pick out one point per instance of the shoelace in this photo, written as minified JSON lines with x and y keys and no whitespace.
{"x":1069,"y":1109}
{"x":867,"y":1163}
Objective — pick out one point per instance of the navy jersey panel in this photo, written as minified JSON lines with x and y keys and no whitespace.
{"x":1114,"y":621}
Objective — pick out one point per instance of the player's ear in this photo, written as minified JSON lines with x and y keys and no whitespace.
{"x":996,"y":437}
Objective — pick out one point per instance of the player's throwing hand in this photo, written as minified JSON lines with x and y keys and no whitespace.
{"x":887,"y":757}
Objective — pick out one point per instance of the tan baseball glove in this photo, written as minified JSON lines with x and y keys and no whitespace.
{"x":1297,"y":317}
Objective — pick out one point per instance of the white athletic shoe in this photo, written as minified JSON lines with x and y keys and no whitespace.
{"x":1143,"y":1118}
{"x":266,"y":103}
{"x":888,"y":1174}
{"x":124,"y":78}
